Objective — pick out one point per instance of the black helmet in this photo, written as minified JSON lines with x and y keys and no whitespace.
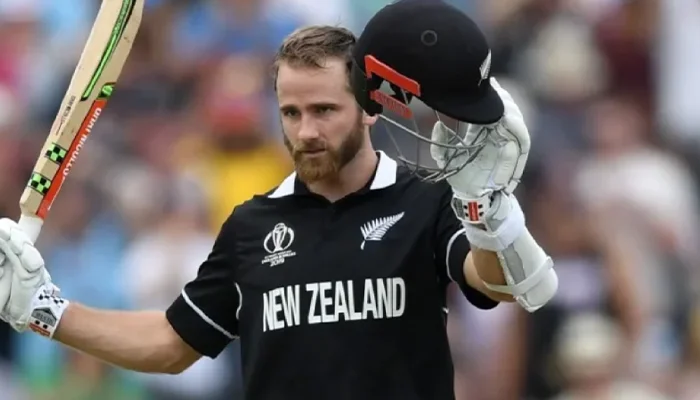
{"x":430,"y":51}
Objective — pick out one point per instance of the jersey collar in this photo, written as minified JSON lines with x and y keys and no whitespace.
{"x":384,"y":176}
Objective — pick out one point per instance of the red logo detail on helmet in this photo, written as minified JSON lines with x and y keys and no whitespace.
{"x":376,"y":67}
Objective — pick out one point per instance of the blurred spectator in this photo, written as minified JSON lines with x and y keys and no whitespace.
{"x":588,"y":351}
{"x":625,"y":36}
{"x":476,"y":340}
{"x":689,"y":384}
{"x":20,"y":29}
{"x":677,"y":58}
{"x":625,"y":180}
{"x":595,"y":275}
{"x":158,"y":263}
{"x":208,"y":29}
{"x":226,"y":143}
{"x":83,"y":245}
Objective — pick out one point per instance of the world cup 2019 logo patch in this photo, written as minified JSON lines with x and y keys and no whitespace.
{"x":277,"y":244}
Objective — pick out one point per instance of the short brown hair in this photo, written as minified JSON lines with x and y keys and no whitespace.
{"x":312,"y":45}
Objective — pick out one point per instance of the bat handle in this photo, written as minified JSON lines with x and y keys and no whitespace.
{"x":31,"y":225}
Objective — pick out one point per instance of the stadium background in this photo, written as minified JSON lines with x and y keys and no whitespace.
{"x":609,"y":89}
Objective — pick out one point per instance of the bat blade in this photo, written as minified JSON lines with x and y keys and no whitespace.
{"x":107,"y":49}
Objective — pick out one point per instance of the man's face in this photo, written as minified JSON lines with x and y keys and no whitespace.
{"x":323,"y":126}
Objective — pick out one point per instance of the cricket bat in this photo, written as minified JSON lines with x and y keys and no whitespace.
{"x":107,"y":49}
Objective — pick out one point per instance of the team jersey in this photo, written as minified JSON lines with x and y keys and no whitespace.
{"x":334,"y":300}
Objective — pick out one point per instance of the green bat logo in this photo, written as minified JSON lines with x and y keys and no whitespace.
{"x":117,"y":32}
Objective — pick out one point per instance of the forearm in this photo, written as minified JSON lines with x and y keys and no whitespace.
{"x":484,"y":266}
{"x":488,"y":266}
{"x":139,"y":341}
{"x":509,"y":254}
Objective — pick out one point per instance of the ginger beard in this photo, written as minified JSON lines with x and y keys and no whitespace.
{"x":311,"y":168}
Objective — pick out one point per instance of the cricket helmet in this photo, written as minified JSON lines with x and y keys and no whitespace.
{"x":429,"y":52}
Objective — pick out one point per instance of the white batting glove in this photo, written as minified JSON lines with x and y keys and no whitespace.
{"x":33,"y":300}
{"x":498,"y":166}
{"x":483,"y":188}
{"x":490,"y":213}
{"x":5,"y":285}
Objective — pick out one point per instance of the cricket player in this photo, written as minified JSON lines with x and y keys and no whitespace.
{"x":335,"y":281}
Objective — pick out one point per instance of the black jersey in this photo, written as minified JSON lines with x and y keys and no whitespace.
{"x":342,"y":300}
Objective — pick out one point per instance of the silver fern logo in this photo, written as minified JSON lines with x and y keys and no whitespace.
{"x":376,"y":229}
{"x":485,"y":68}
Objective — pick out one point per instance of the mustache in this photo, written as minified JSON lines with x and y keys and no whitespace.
{"x":311,"y":145}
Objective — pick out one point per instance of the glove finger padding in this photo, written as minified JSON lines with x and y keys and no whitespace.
{"x":513,"y":116}
{"x":26,"y":273}
{"x":440,"y":135}
{"x":506,"y":165}
{"x":13,"y":261}
{"x":5,"y":267}
{"x":18,"y":242}
{"x":27,"y":295}
{"x":5,"y":287}
{"x":22,"y":256}
{"x":25,"y":250}
{"x":6,"y":226}
{"x":500,"y":161}
{"x":516,"y":131}
{"x":509,"y":104}
{"x":32,"y":262}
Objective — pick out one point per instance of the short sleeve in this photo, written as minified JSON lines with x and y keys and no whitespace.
{"x":205,"y":315}
{"x":451,"y":251}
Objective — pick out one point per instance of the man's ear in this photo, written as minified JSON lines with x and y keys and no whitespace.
{"x":369,"y":120}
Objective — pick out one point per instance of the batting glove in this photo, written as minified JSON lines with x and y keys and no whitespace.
{"x":499,"y":165}
{"x":5,"y":286}
{"x":483,"y":200}
{"x":484,"y":186}
{"x":33,"y":302}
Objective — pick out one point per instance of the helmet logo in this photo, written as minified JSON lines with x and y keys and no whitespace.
{"x":485,"y":68}
{"x":375,"y":67}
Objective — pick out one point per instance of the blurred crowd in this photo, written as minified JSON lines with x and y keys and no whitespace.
{"x":609,"y":90}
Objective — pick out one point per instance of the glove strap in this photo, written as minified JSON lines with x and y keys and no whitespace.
{"x":490,"y":222}
{"x":529,"y":273}
{"x":47,"y":310}
{"x":471,"y":211}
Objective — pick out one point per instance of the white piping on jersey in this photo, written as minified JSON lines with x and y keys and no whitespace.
{"x":385,"y":177}
{"x":240,"y":301}
{"x":206,"y":318}
{"x":449,"y":249}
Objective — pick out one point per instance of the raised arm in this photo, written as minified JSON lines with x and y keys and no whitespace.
{"x":201,"y":321}
{"x":453,"y":254}
{"x":142,"y":341}
{"x":506,"y":260}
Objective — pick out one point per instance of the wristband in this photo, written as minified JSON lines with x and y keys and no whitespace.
{"x":47,"y":310}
